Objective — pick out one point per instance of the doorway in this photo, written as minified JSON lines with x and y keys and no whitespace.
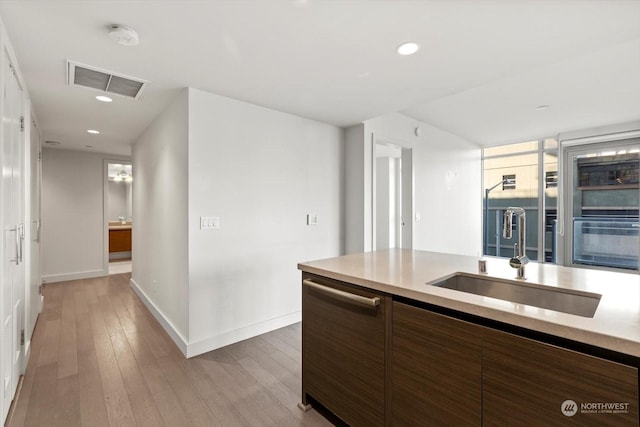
{"x":392,"y":201}
{"x":602,"y":199}
{"x":33,"y":297}
{"x":119,"y":215}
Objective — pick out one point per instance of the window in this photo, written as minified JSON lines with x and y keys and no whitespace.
{"x":508,"y":182}
{"x":602,"y":208}
{"x":551,"y":179}
{"x":528,"y":161}
{"x":599,"y":227}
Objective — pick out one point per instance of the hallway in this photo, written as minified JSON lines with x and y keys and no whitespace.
{"x":99,"y":358}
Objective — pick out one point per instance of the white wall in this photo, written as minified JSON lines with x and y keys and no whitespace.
{"x":447,"y":184}
{"x":160,"y":244}
{"x":72,"y":215}
{"x":384,"y":183}
{"x":261,"y":171}
{"x":357,"y":203}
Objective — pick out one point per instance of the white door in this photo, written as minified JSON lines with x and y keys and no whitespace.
{"x":392,"y":196}
{"x":13,"y":233}
{"x":34,"y":300}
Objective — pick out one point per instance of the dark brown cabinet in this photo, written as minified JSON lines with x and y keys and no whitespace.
{"x":529,"y":383}
{"x":374,"y":360}
{"x":343,"y":350}
{"x":437,"y":369}
{"x":120,"y":240}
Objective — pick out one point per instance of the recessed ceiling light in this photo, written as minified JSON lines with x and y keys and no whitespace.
{"x":123,"y":35}
{"x":93,"y":131}
{"x":542,"y":107}
{"x":408,"y":48}
{"x":103,"y":98}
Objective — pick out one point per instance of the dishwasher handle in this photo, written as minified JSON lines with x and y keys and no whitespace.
{"x":342,"y":295}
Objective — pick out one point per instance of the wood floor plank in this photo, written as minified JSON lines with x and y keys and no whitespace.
{"x":22,"y":403}
{"x":40,"y":411}
{"x":66,"y":411}
{"x":261,"y":362}
{"x":258,"y":407}
{"x":118,"y":408}
{"x":165,"y":398}
{"x":196,"y":409}
{"x":218,"y":402}
{"x":288,"y":398}
{"x":67,"y":348}
{"x":93,"y":411}
{"x":49,"y":352}
{"x":144,"y":408}
{"x":284,"y":347}
{"x":248,"y":408}
{"x":99,"y":358}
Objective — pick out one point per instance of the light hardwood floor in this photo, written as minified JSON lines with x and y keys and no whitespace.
{"x":100,"y":359}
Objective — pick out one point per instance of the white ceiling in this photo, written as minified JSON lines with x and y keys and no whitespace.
{"x":483,"y":68}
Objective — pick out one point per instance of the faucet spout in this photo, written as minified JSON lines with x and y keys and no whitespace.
{"x":519,"y":259}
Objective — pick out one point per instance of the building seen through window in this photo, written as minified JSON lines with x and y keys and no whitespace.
{"x":511,"y":175}
{"x":599,"y":226}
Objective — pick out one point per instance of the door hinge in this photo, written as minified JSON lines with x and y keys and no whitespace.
{"x":39,"y":155}
{"x":22,"y":123}
{"x":40,"y":290}
{"x":22,"y":337}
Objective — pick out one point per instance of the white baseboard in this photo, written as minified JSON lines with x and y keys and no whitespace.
{"x":164,"y":322}
{"x":211,"y":343}
{"x":53,"y":278}
{"x":217,"y":341}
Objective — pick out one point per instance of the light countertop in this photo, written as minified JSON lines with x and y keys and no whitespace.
{"x":407,"y":273}
{"x":120,"y":225}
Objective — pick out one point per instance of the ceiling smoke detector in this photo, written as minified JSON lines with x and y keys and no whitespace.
{"x":123,"y":35}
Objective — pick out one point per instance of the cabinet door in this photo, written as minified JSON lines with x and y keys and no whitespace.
{"x":119,"y":240}
{"x":436,"y":372}
{"x":343,"y":365}
{"x":528,"y":383}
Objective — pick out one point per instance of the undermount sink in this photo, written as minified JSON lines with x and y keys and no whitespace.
{"x":567,"y":301}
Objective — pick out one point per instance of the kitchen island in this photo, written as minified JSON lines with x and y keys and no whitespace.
{"x":407,"y":352}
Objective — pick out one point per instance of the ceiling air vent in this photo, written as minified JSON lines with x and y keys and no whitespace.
{"x":107,"y":81}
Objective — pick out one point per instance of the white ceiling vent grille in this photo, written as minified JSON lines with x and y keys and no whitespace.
{"x":106,"y":81}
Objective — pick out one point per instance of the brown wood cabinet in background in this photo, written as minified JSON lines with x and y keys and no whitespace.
{"x":120,"y":240}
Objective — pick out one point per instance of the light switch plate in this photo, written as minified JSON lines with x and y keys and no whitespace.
{"x":312,"y":219}
{"x":209,"y":223}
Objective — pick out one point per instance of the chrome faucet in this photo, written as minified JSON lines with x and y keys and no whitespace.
{"x":519,"y":259}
